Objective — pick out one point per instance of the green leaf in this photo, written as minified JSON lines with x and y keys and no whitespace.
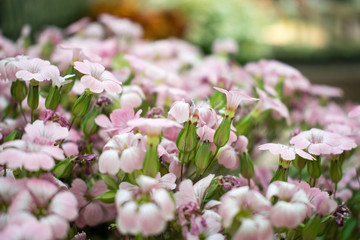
{"x":110,"y":182}
{"x":107,"y":197}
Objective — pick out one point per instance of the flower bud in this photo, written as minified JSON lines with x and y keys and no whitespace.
{"x":222,"y":133}
{"x":314,"y":168}
{"x":311,"y":228}
{"x":63,"y":168}
{"x":151,"y":164}
{"x":33,"y":96}
{"x":53,"y":98}
{"x":82,"y":104}
{"x":88,"y":125}
{"x":18,"y":90}
{"x":246,"y":166}
{"x":335,"y":171}
{"x":187,"y":138}
{"x":202,"y":156}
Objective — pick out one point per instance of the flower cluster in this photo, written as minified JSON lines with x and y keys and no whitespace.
{"x":106,"y":135}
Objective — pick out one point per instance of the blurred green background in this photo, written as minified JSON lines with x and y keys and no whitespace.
{"x":320,"y":37}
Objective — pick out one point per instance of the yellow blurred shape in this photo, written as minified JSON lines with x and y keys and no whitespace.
{"x":296,"y":33}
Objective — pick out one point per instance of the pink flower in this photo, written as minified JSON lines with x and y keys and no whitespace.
{"x":78,"y":25}
{"x":8,"y":68}
{"x":153,"y":127}
{"x":132,"y":95}
{"x":45,"y":133}
{"x":144,"y":209}
{"x":241,"y":144}
{"x":251,"y":205}
{"x":355,"y":112}
{"x":326,"y":91}
{"x":286,"y":152}
{"x":122,"y":152}
{"x":291,"y":208}
{"x":32,"y":69}
{"x":43,"y":202}
{"x":180,"y":111}
{"x":275,"y":104}
{"x":227,"y":46}
{"x":121,"y":27}
{"x":320,"y":200}
{"x":30,"y":229}
{"x":118,"y":120}
{"x":234,"y":99}
{"x":93,"y":212}
{"x":31,"y":156}
{"x":96,"y":78}
{"x":316,"y":141}
{"x":9,"y":188}
{"x":228,"y":157}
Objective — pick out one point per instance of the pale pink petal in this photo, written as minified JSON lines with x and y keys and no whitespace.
{"x":132,"y":159}
{"x":150,"y":220}
{"x":201,"y":187}
{"x":185,"y":193}
{"x":103,"y":121}
{"x":165,"y":203}
{"x":92,"y":83}
{"x":111,"y":87}
{"x":65,"y":205}
{"x":289,"y":215}
{"x":57,"y":224}
{"x":93,"y":214}
{"x":127,"y":219}
{"x":109,"y":162}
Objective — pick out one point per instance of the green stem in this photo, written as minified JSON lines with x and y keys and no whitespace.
{"x":32,"y":115}
{"x":22,"y":112}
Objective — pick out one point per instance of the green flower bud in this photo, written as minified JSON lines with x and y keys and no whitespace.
{"x":281,"y":174}
{"x":151,"y":164}
{"x":314,"y":168}
{"x":202,"y":156}
{"x":53,"y":98}
{"x":88,"y":125}
{"x":18,"y":90}
{"x":63,"y":168}
{"x":311,"y":228}
{"x":187,"y":139}
{"x":222,"y":133}
{"x":82,"y":104}
{"x":33,"y":96}
{"x":335,"y":171}
{"x":246,"y":166}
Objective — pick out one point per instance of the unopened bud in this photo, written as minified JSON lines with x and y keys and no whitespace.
{"x":314,"y":168}
{"x":88,"y":125}
{"x":187,"y":138}
{"x":151,"y":164}
{"x":33,"y":96}
{"x":18,"y":90}
{"x":82,"y":104}
{"x":335,"y":171}
{"x":246,"y":166}
{"x":202,"y":156}
{"x":53,"y":98}
{"x":222,"y":133}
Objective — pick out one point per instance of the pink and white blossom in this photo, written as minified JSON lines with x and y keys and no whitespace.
{"x":96,"y":78}
{"x":122,"y":152}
